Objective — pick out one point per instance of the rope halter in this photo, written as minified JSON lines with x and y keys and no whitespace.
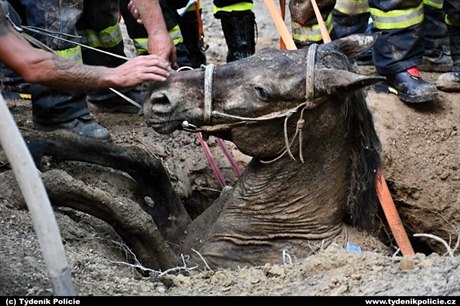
{"x":310,"y":103}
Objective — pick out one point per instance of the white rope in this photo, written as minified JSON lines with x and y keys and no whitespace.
{"x":42,"y":32}
{"x":308,"y":104}
{"x":39,"y":44}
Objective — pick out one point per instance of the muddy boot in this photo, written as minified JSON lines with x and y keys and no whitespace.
{"x":408,"y":86}
{"x":436,"y":41}
{"x":450,"y":81}
{"x":239,"y":32}
{"x":436,"y":60}
{"x":188,"y":24}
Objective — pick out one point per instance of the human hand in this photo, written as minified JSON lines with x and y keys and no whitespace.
{"x":140,"y":69}
{"x":160,"y":43}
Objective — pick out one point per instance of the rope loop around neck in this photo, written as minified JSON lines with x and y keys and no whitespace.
{"x":310,"y":73}
{"x":207,"y":110}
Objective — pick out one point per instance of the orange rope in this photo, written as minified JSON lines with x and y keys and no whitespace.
{"x":388,"y":206}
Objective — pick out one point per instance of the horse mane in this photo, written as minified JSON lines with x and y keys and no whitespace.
{"x":362,"y":202}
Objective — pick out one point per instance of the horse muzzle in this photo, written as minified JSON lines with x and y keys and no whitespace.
{"x":160,"y":114}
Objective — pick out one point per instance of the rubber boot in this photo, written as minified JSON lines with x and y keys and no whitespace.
{"x":194,"y":43}
{"x":239,"y":32}
{"x":408,"y":86}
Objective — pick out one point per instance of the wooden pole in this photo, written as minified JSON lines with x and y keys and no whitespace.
{"x":283,"y":16}
{"x":322,"y":25}
{"x":280,"y":25}
{"x":394,"y":221}
{"x":37,"y":202}
{"x":388,"y":206}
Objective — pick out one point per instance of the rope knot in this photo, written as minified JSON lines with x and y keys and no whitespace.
{"x":300,"y":123}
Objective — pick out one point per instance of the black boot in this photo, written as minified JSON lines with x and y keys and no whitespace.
{"x":437,"y":53}
{"x":408,"y":86}
{"x":194,"y":43}
{"x":239,"y":32}
{"x":436,"y":60}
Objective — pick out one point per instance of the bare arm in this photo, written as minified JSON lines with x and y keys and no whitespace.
{"x":37,"y":66}
{"x":159,"y":41}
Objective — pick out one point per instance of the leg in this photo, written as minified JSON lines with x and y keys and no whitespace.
{"x":352,"y":17}
{"x":435,"y":38}
{"x":451,"y":81}
{"x":399,"y":49}
{"x":238,"y":24}
{"x":56,"y":109}
{"x":100,"y":28}
{"x":13,"y":86}
{"x":193,"y":40}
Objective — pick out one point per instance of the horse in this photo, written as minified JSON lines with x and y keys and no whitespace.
{"x":302,"y":117}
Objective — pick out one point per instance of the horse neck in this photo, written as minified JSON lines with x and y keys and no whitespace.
{"x":319,"y":174}
{"x":313,"y":192}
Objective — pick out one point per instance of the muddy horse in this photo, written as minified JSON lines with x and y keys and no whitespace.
{"x":302,"y":116}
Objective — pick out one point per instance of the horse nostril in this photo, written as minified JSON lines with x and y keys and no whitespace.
{"x":159,"y":99}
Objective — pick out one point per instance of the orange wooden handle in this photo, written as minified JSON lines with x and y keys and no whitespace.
{"x":280,"y":25}
{"x":283,"y":15}
{"x":322,"y":25}
{"x":394,"y":221}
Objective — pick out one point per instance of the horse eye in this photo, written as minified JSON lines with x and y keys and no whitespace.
{"x":262,"y":93}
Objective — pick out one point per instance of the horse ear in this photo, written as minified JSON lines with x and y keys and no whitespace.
{"x":352,"y":45}
{"x":330,"y":81}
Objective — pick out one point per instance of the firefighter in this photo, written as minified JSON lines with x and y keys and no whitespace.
{"x":37,"y":66}
{"x":97,"y":23}
{"x":354,"y":17}
{"x":238,"y":24}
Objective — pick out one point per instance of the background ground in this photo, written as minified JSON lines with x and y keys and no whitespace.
{"x":421,"y":166}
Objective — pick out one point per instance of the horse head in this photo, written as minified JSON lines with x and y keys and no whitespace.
{"x":242,"y":98}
